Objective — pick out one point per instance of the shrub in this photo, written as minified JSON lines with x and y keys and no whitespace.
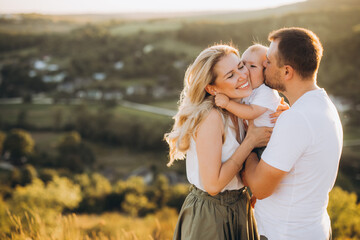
{"x":137,"y":205}
{"x":47,"y":200}
{"x":95,"y":189}
{"x":19,"y":144}
{"x":344,"y":213}
{"x":178,"y":194}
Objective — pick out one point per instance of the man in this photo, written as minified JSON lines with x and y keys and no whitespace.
{"x":299,"y":165}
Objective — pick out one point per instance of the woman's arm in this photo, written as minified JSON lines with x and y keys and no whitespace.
{"x":214,"y":174}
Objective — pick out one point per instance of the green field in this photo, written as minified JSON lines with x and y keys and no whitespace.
{"x":174,"y":45}
{"x":172,"y":104}
{"x":44,"y":115}
{"x":151,"y":26}
{"x":112,"y":161}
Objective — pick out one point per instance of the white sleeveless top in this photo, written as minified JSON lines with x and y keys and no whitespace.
{"x":228,"y":148}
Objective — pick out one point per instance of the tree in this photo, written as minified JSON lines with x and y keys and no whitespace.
{"x":2,"y":139}
{"x":18,"y":145}
{"x":73,"y":153}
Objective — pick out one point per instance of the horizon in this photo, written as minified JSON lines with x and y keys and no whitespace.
{"x":83,"y":7}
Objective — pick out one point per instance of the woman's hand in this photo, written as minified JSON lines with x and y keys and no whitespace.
{"x":258,"y":136}
{"x":283,"y":106}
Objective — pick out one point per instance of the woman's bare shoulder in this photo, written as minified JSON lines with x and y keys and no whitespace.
{"x":211,"y":126}
{"x":213,"y":119}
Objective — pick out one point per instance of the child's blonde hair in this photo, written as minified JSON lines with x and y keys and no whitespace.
{"x":256,"y":47}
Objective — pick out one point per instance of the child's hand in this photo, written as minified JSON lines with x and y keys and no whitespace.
{"x":283,"y":106}
{"x":221,"y":100}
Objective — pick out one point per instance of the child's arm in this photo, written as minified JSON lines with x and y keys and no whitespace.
{"x":243,"y":111}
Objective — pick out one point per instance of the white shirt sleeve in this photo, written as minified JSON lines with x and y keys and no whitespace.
{"x":290,"y":138}
{"x":266,"y":97}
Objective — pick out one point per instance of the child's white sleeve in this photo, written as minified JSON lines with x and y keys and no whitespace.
{"x":266,"y":97}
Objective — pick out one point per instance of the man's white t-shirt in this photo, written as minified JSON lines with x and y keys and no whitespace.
{"x":306,"y":142}
{"x":266,"y":97}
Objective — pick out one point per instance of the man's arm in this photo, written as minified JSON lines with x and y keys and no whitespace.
{"x":261,"y":177}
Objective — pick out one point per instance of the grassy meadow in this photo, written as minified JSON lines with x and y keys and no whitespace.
{"x":107,"y":226}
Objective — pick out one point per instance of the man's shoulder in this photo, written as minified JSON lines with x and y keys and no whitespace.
{"x":291,"y":116}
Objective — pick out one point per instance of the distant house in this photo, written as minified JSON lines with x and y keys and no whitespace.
{"x":40,"y":65}
{"x":148,"y":48}
{"x":94,"y":94}
{"x":119,"y":65}
{"x":54,"y":78}
{"x":82,"y":82}
{"x":113,"y":95}
{"x":136,"y":90}
{"x":32,"y":73}
{"x":99,"y":76}
{"x":52,"y":67}
{"x":67,"y":87}
{"x":81,"y":94}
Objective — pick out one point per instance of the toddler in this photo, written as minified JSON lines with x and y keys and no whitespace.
{"x":263,"y":100}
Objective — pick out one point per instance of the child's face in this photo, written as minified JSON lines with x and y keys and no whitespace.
{"x":254,"y":62}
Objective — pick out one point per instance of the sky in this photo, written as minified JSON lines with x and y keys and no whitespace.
{"x":121,"y":6}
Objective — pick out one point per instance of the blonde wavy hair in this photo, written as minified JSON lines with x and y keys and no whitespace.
{"x":195,"y":103}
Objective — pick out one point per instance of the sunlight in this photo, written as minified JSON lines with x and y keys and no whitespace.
{"x":115,"y":6}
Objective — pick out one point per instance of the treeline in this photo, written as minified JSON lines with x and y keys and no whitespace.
{"x":244,"y":33}
{"x":104,"y":125}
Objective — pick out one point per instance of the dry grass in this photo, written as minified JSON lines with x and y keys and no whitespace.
{"x":108,"y":226}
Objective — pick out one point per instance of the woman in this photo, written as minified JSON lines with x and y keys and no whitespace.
{"x":218,"y":205}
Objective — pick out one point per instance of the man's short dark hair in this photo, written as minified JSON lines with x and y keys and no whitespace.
{"x":300,"y":48}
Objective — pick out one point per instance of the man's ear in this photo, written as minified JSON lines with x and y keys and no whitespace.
{"x":289,"y":72}
{"x":210,"y":89}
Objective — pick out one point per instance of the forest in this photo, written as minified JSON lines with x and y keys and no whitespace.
{"x":76,"y":162}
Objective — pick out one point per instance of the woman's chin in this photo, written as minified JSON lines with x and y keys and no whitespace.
{"x":246,"y":93}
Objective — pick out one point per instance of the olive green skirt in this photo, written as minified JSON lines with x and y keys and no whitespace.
{"x":225,"y":216}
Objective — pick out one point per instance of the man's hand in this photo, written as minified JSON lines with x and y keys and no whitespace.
{"x":221,"y":100}
{"x":283,"y":106}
